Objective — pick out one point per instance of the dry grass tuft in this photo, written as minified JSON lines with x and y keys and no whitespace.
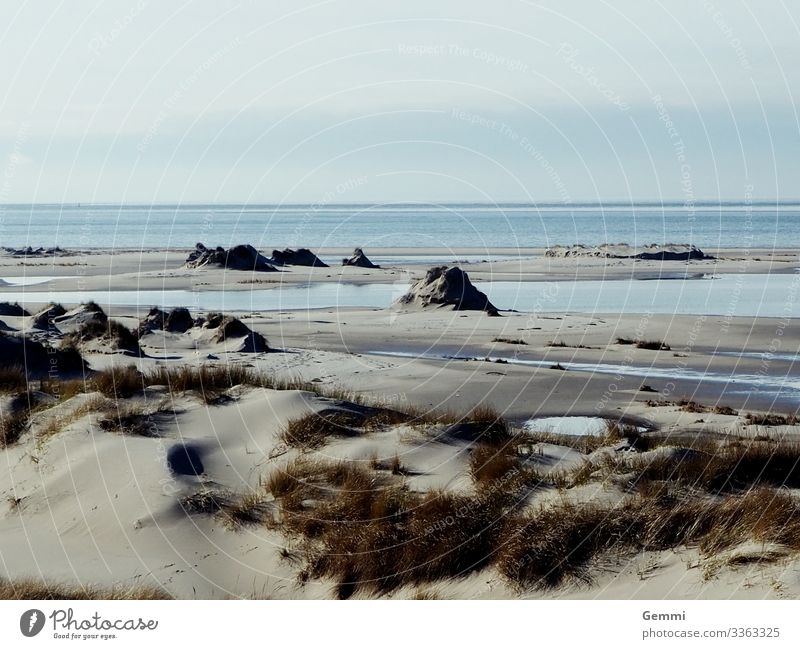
{"x":55,"y":424}
{"x":64,"y":389}
{"x":119,"y":382}
{"x":770,"y":419}
{"x":483,"y":424}
{"x":23,"y":589}
{"x":489,"y":463}
{"x":374,"y":535}
{"x":234,"y":510}
{"x":12,"y":379}
{"x":314,"y":429}
{"x":204,"y":502}
{"x":134,"y":419}
{"x":247,"y":509}
{"x":655,"y":345}
{"x":12,"y":426}
{"x":541,"y":550}
{"x":17,"y":416}
{"x":560,"y":541}
{"x":715,"y":468}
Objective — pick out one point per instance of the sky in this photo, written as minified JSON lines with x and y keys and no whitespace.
{"x":348,"y":101}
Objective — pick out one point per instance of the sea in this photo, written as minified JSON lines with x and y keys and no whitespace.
{"x":381,"y":226}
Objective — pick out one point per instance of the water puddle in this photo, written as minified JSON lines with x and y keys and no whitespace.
{"x":27,"y":281}
{"x":728,"y":295}
{"x":577,"y":426}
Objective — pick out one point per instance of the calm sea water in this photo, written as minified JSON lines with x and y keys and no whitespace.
{"x":408,"y":226}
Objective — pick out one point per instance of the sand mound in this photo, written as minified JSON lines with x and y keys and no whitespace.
{"x":668,"y":252}
{"x":104,"y":335}
{"x":153,"y":321}
{"x":45,"y":319}
{"x":242,"y":257}
{"x":443,"y":286}
{"x":300,"y":257}
{"x":9,"y":309}
{"x":89,"y":328}
{"x":37,"y":360}
{"x":87,"y":313}
{"x":228,"y":327}
{"x":359,"y":259}
{"x":175,"y":321}
{"x":215,"y":329}
{"x":36,"y":252}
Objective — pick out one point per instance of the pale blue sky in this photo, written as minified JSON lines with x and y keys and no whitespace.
{"x":349,"y":101}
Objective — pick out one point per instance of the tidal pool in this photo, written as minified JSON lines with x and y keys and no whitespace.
{"x":776,"y":295}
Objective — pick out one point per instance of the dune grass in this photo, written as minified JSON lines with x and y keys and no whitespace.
{"x":560,"y":541}
{"x":12,"y":426}
{"x":12,"y":379}
{"x":770,"y":419}
{"x":374,"y":537}
{"x":361,"y":526}
{"x":207,"y":380}
{"x":372,"y":534}
{"x":16,"y":417}
{"x":118,"y":382}
{"x":313,"y":430}
{"x":55,"y":424}
{"x":35,"y":589}
{"x":655,"y":345}
{"x":366,"y":534}
{"x":721,"y":468}
{"x":112,"y":331}
{"x":234,"y":510}
{"x":134,"y":419}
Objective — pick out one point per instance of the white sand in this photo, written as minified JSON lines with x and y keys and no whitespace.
{"x":93,"y":506}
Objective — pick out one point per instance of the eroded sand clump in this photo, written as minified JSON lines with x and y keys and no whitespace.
{"x":358,"y":258}
{"x":88,"y":313}
{"x":299,"y":257}
{"x":241,"y":257}
{"x":15,"y":309}
{"x":102,"y":336}
{"x":227,"y":327}
{"x":175,"y":321}
{"x":45,"y":319}
{"x":656,"y":252}
{"x":37,"y":360}
{"x":447,"y":286}
{"x":201,"y":333}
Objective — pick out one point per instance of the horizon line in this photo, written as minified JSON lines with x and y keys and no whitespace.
{"x":756,"y":202}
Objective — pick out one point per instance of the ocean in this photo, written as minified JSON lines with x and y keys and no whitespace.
{"x":375,"y":227}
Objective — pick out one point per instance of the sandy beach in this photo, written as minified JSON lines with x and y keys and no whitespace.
{"x":93,"y":497}
{"x":122,"y":269}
